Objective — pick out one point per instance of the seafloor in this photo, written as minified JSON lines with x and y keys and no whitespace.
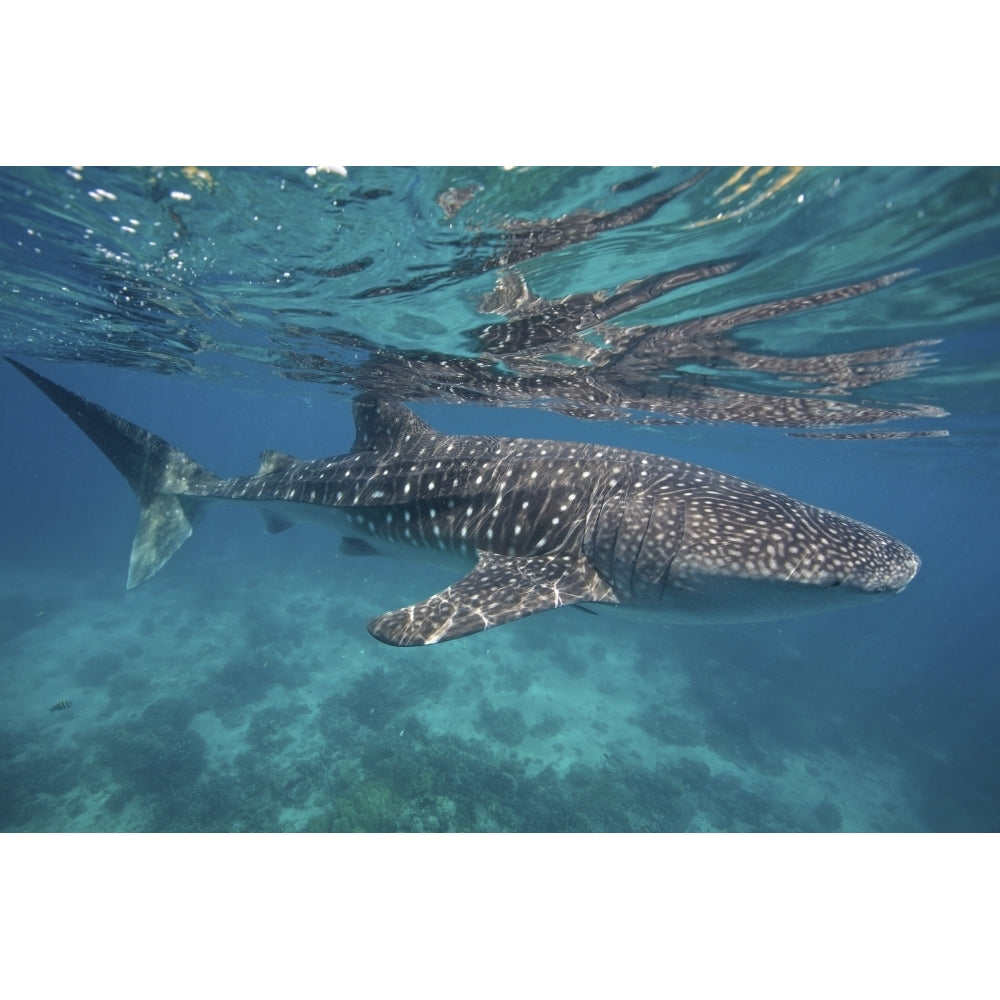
{"x":240,"y":692}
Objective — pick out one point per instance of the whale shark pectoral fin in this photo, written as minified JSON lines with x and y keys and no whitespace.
{"x":500,"y":589}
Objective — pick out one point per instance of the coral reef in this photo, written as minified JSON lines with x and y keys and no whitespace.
{"x":505,"y":725}
{"x":828,"y":816}
{"x":158,"y":753}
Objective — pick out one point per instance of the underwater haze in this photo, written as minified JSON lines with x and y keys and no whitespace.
{"x":830,"y":333}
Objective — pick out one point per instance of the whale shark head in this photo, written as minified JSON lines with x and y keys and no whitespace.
{"x":702,"y":545}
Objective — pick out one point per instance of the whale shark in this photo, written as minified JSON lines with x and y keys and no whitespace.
{"x":538,"y":524}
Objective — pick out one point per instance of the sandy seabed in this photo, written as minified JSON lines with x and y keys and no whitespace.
{"x":236,"y":697}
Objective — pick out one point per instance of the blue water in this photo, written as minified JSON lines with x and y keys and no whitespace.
{"x":232,"y":310}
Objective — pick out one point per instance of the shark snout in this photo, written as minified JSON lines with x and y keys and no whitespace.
{"x":907,"y":571}
{"x":897,"y":564}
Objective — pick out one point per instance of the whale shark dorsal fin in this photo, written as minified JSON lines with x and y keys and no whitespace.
{"x":500,"y":589}
{"x":381,"y":424}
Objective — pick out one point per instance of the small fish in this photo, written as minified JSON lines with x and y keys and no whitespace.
{"x":61,"y":706}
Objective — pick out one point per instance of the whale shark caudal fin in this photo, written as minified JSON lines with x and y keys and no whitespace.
{"x":158,"y":473}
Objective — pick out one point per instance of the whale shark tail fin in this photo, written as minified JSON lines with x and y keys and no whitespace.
{"x":160,"y":475}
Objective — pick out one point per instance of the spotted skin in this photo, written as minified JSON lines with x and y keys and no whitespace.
{"x":543,"y":523}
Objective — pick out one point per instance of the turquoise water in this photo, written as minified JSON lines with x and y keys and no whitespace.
{"x":232,"y":310}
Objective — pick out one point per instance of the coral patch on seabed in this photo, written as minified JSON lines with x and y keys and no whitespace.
{"x":269,"y":709}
